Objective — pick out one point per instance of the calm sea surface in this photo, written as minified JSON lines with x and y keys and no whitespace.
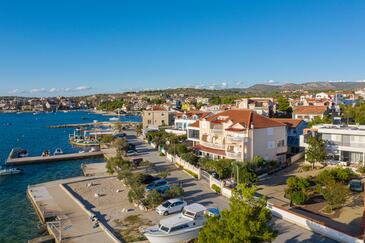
{"x":18,"y":221}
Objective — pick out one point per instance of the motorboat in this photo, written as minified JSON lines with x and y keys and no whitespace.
{"x":93,"y":149}
{"x":10,"y":171}
{"x":22,"y":153}
{"x":114,"y":119}
{"x":58,"y":151}
{"x":181,"y":227}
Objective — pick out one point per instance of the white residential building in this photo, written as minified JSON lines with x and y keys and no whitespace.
{"x":240,"y":135}
{"x":343,"y":143}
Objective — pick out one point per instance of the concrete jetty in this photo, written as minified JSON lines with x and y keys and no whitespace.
{"x":14,"y":160}
{"x":67,"y":220}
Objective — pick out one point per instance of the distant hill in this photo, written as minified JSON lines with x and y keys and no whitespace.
{"x":263,"y":88}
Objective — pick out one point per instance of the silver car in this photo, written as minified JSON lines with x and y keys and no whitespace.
{"x":171,"y":206}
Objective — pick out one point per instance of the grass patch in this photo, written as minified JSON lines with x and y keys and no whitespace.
{"x":129,"y":227}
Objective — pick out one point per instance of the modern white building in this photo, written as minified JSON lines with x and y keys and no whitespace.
{"x":343,"y":143}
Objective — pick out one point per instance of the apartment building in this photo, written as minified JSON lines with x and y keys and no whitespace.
{"x":239,"y":134}
{"x":183,"y":119}
{"x":157,"y":116}
{"x":263,"y":106}
{"x":294,"y":129}
{"x":343,"y":143}
{"x":308,"y":113}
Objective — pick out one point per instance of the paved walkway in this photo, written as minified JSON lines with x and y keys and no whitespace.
{"x":76,"y":225}
{"x":199,"y":191}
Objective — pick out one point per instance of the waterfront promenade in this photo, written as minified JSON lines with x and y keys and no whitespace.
{"x":50,"y":198}
{"x":76,"y":223}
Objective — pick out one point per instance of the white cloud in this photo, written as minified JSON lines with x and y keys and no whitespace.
{"x":271,"y":81}
{"x":50,"y":90}
{"x":82,"y":88}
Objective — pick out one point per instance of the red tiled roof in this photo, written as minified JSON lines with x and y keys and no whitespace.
{"x":289,"y":122}
{"x":195,"y":124}
{"x":309,"y":109}
{"x":244,"y":117}
{"x":189,"y":114}
{"x":210,"y":150}
{"x":157,"y":108}
{"x":232,"y":129}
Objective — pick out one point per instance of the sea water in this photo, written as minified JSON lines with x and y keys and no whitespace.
{"x":18,"y":221}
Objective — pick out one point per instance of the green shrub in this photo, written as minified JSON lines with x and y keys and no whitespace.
{"x":306,"y":167}
{"x":245,"y":174}
{"x":191,"y":158}
{"x":136,"y":194}
{"x":361,"y":169}
{"x":338,"y":174}
{"x":162,"y":154}
{"x":174,"y":191}
{"x":335,"y":195}
{"x":216,"y":188}
{"x":297,"y":190}
{"x":191,"y":173}
{"x":299,"y":197}
{"x":153,"y":199}
{"x":106,"y":138}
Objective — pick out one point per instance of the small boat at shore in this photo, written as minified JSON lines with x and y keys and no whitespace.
{"x":182,"y":227}
{"x":58,"y":151}
{"x":10,"y":171}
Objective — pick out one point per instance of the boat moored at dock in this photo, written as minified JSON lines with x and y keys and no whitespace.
{"x":182,"y":227}
{"x":10,"y":171}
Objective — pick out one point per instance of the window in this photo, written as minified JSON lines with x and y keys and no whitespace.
{"x":179,"y":227}
{"x":162,"y":114}
{"x":281,"y":143}
{"x":270,"y":144}
{"x":149,"y":122}
{"x":270,"y":131}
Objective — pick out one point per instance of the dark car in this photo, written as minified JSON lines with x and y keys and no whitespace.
{"x":356,"y":185}
{"x":148,"y":179}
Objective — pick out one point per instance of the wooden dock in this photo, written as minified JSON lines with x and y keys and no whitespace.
{"x":46,"y":159}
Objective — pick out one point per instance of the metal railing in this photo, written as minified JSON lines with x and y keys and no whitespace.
{"x":234,"y":155}
{"x":212,"y":145}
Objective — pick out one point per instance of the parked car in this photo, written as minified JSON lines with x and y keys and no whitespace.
{"x":120,"y":135}
{"x":131,"y":152}
{"x":156,"y":185}
{"x":149,"y":179}
{"x":171,"y":206}
{"x":136,"y":162}
{"x":211,"y":212}
{"x":163,"y":189}
{"x":356,"y":185}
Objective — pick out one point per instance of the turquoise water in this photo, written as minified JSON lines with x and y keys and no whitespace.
{"x":18,"y":221}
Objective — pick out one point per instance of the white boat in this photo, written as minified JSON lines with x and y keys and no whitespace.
{"x":10,"y":171}
{"x":58,"y":151}
{"x":114,"y":119}
{"x":181,"y":227}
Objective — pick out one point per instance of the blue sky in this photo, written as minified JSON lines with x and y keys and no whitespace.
{"x":80,"y":47}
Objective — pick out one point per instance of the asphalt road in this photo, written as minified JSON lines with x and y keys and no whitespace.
{"x":199,"y":191}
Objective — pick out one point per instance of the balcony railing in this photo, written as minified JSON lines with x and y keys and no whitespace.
{"x":216,"y":131}
{"x":234,"y":155}
{"x":234,"y":139}
{"x":212,"y":145}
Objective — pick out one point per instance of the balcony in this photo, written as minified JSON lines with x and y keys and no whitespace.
{"x":213,"y":145}
{"x":216,"y":131}
{"x":237,"y":139}
{"x":234,"y":155}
